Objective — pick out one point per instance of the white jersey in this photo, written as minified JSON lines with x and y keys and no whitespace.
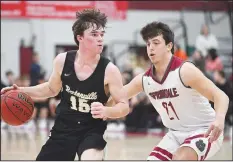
{"x":181,"y":108}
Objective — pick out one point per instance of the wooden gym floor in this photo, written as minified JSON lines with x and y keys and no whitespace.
{"x":24,"y":147}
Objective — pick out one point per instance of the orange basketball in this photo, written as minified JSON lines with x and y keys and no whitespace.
{"x":16,"y":107}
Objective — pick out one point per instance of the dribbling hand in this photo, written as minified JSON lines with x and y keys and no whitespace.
{"x":98,"y":110}
{"x":13,"y":87}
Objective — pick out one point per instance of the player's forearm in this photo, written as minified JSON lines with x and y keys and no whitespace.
{"x":221,"y":103}
{"x":119,"y":110}
{"x":39,"y":91}
{"x":130,"y":92}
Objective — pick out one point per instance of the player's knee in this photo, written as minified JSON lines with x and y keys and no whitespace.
{"x":92,"y":154}
{"x":185,"y":153}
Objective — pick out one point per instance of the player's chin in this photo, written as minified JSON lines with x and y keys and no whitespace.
{"x":98,"y":52}
{"x":154,"y":61}
{"x":99,"y":49}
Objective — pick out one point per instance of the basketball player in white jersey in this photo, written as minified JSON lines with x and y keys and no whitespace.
{"x":180,"y":92}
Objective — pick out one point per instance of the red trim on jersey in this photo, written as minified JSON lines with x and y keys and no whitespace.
{"x":186,"y":142}
{"x":159,"y":156}
{"x":147,"y":73}
{"x":174,"y":63}
{"x":163,"y":151}
{"x":202,"y":158}
{"x":193,"y":137}
{"x":207,"y":151}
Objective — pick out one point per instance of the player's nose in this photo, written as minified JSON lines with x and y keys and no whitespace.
{"x":100,"y":39}
{"x":150,"y":48}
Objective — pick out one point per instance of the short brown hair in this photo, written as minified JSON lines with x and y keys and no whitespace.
{"x":154,"y":29}
{"x":87,"y":18}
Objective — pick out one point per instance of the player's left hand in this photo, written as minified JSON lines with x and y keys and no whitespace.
{"x":215,"y":130}
{"x":98,"y":110}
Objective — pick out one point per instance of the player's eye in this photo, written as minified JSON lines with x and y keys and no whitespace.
{"x":94,"y":34}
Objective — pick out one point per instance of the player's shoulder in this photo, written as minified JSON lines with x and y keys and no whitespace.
{"x":59,"y":60}
{"x":139,"y":77}
{"x":111,"y":68}
{"x":188,"y":70}
{"x":61,"y":56}
{"x":188,"y":66}
{"x":112,"y":72}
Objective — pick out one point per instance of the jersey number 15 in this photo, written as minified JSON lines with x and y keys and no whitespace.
{"x":82,"y":104}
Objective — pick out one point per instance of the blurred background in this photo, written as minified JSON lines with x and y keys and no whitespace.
{"x":34,"y":32}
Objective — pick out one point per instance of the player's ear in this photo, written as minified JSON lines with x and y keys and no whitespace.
{"x":169,"y":46}
{"x":79,"y":38}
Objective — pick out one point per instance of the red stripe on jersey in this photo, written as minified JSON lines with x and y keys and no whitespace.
{"x":193,"y":137}
{"x":147,"y":73}
{"x":207,"y":151}
{"x":174,"y":63}
{"x":186,"y":142}
{"x":163,"y":151}
{"x":159,"y":156}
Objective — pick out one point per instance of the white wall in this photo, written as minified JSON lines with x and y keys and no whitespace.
{"x":11,"y":34}
{"x":52,"y":32}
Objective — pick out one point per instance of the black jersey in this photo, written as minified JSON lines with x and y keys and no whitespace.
{"x":77,"y":96}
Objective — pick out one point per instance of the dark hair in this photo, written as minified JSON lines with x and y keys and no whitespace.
{"x":158,"y":28}
{"x":9,"y":72}
{"x":222,"y":73}
{"x":212,"y":53}
{"x":86,"y":19}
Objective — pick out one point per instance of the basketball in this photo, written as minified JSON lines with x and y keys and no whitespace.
{"x":16,"y":107}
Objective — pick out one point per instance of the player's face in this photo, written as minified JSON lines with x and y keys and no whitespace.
{"x":93,"y":39}
{"x":156,"y":49}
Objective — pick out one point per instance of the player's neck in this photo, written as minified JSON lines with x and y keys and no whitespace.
{"x":86,"y":57}
{"x":162,"y":65}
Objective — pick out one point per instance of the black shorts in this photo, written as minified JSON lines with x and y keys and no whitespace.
{"x":40,"y":105}
{"x":64,"y":143}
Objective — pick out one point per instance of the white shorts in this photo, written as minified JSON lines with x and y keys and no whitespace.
{"x":194,"y":139}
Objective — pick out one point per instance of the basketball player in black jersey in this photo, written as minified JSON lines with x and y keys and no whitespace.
{"x":86,"y":80}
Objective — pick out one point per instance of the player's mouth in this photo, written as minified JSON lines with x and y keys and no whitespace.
{"x":152,"y":54}
{"x":100,"y":45}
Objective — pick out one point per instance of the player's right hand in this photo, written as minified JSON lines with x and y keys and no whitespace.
{"x":13,"y":87}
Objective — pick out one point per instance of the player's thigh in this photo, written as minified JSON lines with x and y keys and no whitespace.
{"x":57,"y":150}
{"x":197,"y":147}
{"x":165,"y":149}
{"x":92,"y":147}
